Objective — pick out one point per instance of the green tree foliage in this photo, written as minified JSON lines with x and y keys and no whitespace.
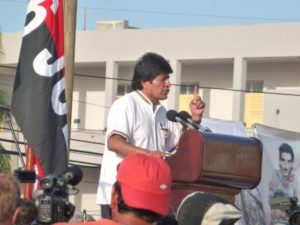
{"x":4,"y":160}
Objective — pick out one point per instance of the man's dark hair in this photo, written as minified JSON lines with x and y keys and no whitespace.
{"x":287,"y":149}
{"x":26,"y":213}
{"x":149,"y":66}
{"x":146,"y":215}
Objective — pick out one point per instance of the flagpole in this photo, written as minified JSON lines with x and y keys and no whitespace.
{"x":28,"y":187}
{"x":70,"y":7}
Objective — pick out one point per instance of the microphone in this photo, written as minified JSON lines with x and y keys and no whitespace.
{"x":73,"y":175}
{"x":173,"y":116}
{"x":185,"y":115}
{"x":5,"y":108}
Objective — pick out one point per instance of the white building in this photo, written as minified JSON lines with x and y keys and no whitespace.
{"x":224,"y":60}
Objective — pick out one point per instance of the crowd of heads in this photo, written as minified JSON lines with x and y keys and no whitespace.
{"x":146,"y":199}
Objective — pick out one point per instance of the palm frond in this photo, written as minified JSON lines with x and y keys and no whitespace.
{"x":4,"y":160}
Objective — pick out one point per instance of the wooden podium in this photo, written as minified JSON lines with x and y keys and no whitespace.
{"x":215,"y":163}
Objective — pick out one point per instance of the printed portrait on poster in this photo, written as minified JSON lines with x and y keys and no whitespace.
{"x":279,"y":186}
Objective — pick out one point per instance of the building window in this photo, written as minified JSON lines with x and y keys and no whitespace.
{"x":123,"y":89}
{"x":254,"y":103}
{"x":187,"y":88}
{"x":186,"y":94}
{"x":254,"y":85}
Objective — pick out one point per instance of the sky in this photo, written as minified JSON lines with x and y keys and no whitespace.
{"x":164,"y":13}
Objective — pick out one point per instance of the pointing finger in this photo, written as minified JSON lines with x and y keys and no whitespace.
{"x":196,"y":92}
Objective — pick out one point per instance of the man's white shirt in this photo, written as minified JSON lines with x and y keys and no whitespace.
{"x":134,"y":117}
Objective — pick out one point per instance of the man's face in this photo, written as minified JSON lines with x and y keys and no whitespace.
{"x":158,"y":88}
{"x":285,"y":163}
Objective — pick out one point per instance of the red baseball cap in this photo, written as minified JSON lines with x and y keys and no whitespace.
{"x":145,"y":183}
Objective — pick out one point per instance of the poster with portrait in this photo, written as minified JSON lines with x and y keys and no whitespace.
{"x":280,"y":172}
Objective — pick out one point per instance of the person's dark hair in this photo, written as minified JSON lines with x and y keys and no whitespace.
{"x":26,"y":213}
{"x":170,"y":219}
{"x":149,"y":66}
{"x":9,"y":195}
{"x":287,"y":149}
{"x":146,"y":215}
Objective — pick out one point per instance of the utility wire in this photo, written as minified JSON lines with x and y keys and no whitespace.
{"x":179,"y":14}
{"x":17,"y":1}
{"x":72,"y":139}
{"x":180,"y":85}
{"x":141,"y":11}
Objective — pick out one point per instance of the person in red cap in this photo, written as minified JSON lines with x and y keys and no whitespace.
{"x":141,"y":194}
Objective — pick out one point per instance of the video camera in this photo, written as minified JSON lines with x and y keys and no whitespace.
{"x":289,"y":204}
{"x":51,"y":201}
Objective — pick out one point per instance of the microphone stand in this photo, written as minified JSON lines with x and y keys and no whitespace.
{"x":24,"y":174}
{"x":8,"y":120}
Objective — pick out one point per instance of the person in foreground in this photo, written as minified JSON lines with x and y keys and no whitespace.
{"x":141,"y":194}
{"x":9,"y":198}
{"x":200,"y":208}
{"x":137,"y":122}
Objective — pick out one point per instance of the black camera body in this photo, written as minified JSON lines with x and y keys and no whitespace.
{"x":51,"y":201}
{"x":293,"y":212}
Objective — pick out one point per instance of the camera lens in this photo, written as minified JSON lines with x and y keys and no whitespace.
{"x":47,"y":183}
{"x":295,"y":218}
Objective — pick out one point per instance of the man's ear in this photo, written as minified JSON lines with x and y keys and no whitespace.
{"x":143,"y":82}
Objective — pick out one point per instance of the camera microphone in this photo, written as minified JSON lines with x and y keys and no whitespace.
{"x":73,"y":175}
{"x":25,"y":176}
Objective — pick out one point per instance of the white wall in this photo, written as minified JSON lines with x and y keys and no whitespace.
{"x":282,"y":111}
{"x":275,"y":74}
{"x":86,"y":198}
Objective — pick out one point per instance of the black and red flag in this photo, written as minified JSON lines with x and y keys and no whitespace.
{"x":38,"y":101}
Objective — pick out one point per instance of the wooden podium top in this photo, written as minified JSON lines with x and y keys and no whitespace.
{"x":217,"y":159}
